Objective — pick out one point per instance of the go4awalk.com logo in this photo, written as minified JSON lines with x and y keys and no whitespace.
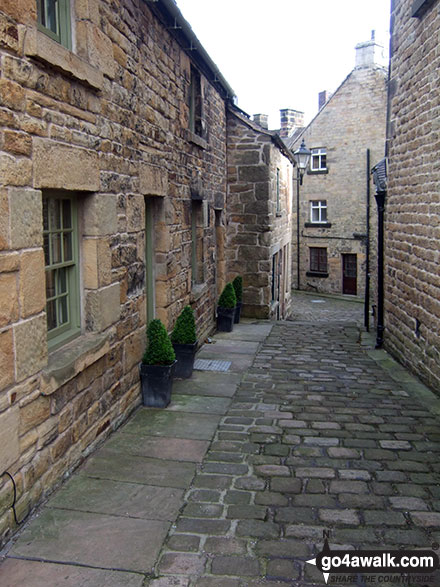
{"x":376,"y":563}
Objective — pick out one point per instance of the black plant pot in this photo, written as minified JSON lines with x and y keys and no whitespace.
{"x":156,"y":384}
{"x":225,"y":319}
{"x":185,"y":354}
{"x":237,"y":313}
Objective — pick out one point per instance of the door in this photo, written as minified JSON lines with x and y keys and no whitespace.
{"x":149,"y":258}
{"x":349,"y":274}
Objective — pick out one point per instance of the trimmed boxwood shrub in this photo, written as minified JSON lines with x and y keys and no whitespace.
{"x":184,"y":331}
{"x":160,"y":350}
{"x":238,"y":287}
{"x":227,"y":298}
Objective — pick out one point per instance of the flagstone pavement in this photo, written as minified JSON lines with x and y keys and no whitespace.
{"x":310,"y":430}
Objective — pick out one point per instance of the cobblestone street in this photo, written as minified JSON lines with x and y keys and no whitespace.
{"x":322,"y":434}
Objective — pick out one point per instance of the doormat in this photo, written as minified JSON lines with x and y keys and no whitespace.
{"x":211,"y":365}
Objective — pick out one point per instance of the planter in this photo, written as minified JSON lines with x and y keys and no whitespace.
{"x":237,"y":313}
{"x":156,"y":384}
{"x":185,"y":354}
{"x":225,"y":319}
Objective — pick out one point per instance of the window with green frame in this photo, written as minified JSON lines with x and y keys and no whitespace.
{"x":54,"y":20}
{"x":60,"y":235}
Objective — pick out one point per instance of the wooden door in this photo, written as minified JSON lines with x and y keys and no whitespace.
{"x":349,"y":274}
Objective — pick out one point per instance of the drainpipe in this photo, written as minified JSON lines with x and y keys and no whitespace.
{"x":367,"y":252}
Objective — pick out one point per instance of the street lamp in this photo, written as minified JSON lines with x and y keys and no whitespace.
{"x":379,"y":173}
{"x":302,"y":157}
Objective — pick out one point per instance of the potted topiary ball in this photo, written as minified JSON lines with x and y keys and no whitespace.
{"x":226,"y":309}
{"x":237,"y":284}
{"x":157,"y":367}
{"x":184,"y":341}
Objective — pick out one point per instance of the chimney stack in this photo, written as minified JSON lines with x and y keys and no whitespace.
{"x":290,"y":121}
{"x":262,"y":120}
{"x":369,"y":53}
{"x":322,"y":98}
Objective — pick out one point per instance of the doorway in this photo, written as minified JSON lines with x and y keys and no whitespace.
{"x":349,"y":274}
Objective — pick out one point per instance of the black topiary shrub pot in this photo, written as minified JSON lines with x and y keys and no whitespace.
{"x":156,"y":384}
{"x":185,"y":354}
{"x":237,"y":313}
{"x":225,"y":319}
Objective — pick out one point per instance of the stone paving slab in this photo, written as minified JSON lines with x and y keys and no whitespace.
{"x":24,"y":573}
{"x":198,"y":404}
{"x":172,"y":424}
{"x":240,"y":362}
{"x":208,"y":383}
{"x":160,"y":447}
{"x":108,"y":464}
{"x":134,"y":500}
{"x":95,"y":540}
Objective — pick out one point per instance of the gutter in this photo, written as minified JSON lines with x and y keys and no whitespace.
{"x":170,"y":15}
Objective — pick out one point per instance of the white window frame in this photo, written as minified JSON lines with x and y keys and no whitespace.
{"x":319,"y":156}
{"x":319,"y":207}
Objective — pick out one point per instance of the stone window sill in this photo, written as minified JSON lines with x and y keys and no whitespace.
{"x":41,"y":47}
{"x":67,"y":362}
{"x":316,"y":274}
{"x":318,"y":224}
{"x":197,"y":290}
{"x":317,"y":171}
{"x":196,"y":139}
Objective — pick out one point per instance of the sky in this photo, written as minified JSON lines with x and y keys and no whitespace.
{"x":281,"y":53}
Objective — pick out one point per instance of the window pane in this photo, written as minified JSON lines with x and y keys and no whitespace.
{"x":323,"y":214}
{"x":61,"y":281}
{"x":67,"y":246}
{"x":50,"y":14}
{"x":54,"y":214}
{"x":46,"y":250}
{"x":50,"y":284}
{"x":51,"y":315}
{"x":62,"y":311}
{"x":67,"y":214}
{"x":56,"y":248}
{"x":315,"y":215}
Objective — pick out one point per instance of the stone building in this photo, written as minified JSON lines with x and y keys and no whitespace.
{"x":112,"y":188}
{"x":259,"y":215}
{"x":334,"y":225}
{"x":412,"y":206}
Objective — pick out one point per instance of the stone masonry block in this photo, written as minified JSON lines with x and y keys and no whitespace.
{"x":26,"y":210}
{"x":9,"y":438}
{"x":153,"y":181}
{"x":61,"y":166}
{"x":96,"y":262}
{"x":99,"y":47}
{"x":100,"y":215}
{"x":32,"y":283}
{"x":6,"y":358}
{"x":103,"y":307}
{"x":8,"y":298}
{"x":30,"y":346}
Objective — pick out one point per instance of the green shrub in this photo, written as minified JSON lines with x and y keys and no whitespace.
{"x":238,"y":287}
{"x":227,"y":298}
{"x":160,"y":350}
{"x":184,"y":331}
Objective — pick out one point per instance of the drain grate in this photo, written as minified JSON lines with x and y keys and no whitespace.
{"x":211,"y":365}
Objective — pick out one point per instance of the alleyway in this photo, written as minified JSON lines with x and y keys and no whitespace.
{"x":309,"y":430}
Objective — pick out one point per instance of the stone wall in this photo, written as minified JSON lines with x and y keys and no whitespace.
{"x":257,"y":227}
{"x":108,"y":124}
{"x":352,"y":121}
{"x":412,"y":212}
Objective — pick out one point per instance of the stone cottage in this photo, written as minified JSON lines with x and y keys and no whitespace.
{"x":259,"y":215}
{"x":412,"y":205}
{"x":112,"y":192}
{"x":335,"y":233}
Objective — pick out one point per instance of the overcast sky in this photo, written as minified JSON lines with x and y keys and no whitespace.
{"x":282,"y":53}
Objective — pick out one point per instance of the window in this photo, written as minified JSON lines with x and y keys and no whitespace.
{"x":318,"y":211}
{"x":318,"y":160}
{"x":195,"y":103}
{"x":278,"y":192}
{"x":54,"y":20}
{"x":196,"y":243}
{"x":318,"y":260}
{"x":60,"y":234}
